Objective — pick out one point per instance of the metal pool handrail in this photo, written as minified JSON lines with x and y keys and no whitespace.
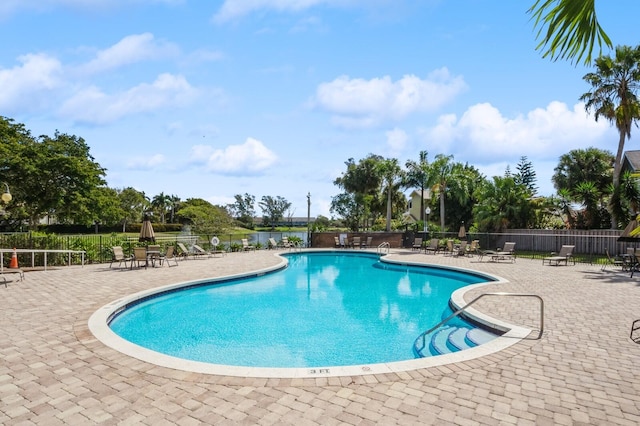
{"x":423,"y":335}
{"x":383,"y":246}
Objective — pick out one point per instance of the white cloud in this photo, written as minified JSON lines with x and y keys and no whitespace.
{"x":24,"y":85}
{"x":365,"y":103}
{"x":220,"y":200}
{"x":204,"y":56}
{"x":91,"y":105}
{"x":233,"y":9}
{"x":484,"y":134}
{"x":8,"y":7}
{"x":396,"y":141}
{"x":147,"y":163}
{"x":252,"y":157}
{"x":131,"y":49}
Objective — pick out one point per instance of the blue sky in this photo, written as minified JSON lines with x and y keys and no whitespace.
{"x":271,"y":97}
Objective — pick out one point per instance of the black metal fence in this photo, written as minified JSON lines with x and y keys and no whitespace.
{"x":589,"y":245}
{"x":98,"y":248}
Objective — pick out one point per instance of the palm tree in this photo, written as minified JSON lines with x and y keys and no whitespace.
{"x":503,"y":204}
{"x":588,"y":195}
{"x":174,"y":203}
{"x":441,"y":171}
{"x":417,"y":175}
{"x":450,"y":180}
{"x":392,"y":176}
{"x":363,"y":180}
{"x":580,"y":165}
{"x":160,"y":203}
{"x":572,"y":29}
{"x":613,"y":95}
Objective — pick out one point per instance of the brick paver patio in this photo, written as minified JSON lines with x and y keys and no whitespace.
{"x":582,"y":371}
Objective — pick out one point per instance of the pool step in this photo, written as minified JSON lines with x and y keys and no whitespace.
{"x":453,"y":339}
{"x":478,"y":336}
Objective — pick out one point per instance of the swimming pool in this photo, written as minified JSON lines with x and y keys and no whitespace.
{"x":324,"y":309}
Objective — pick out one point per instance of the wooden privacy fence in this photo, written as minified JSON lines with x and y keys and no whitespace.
{"x":586,"y":242}
{"x":589,"y":242}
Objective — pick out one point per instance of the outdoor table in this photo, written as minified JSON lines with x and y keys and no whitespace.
{"x":153,"y":255}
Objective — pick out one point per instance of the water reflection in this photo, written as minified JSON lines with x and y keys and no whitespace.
{"x":324,"y":309}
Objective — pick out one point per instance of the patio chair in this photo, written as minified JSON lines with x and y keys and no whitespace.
{"x":285,"y":243}
{"x":461,"y":250}
{"x":434,"y":246}
{"x":119,"y":256}
{"x":615,"y":261}
{"x":355,"y":242}
{"x":565,"y":253}
{"x":337,"y":243}
{"x":272,"y":244}
{"x":473,"y":247}
{"x":246,"y":246}
{"x":169,"y":255}
{"x":139,"y":257}
{"x":367,"y":243}
{"x":417,"y":244}
{"x":449,"y":247}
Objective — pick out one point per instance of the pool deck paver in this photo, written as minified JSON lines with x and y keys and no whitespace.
{"x":584,"y":369}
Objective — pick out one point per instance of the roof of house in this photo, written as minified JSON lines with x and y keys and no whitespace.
{"x":416,"y":193}
{"x":631,"y":161}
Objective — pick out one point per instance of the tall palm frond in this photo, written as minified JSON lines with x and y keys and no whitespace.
{"x":572,"y":29}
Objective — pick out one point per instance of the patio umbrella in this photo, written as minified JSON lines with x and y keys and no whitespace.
{"x":626,"y":236}
{"x":462,"y":233}
{"x":146,"y":232}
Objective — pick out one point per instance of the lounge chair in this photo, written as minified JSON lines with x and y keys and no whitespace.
{"x":434,"y":246}
{"x":272,"y":244}
{"x":169,"y":255}
{"x":199,"y":251}
{"x":506,"y":253}
{"x":337,"y":243}
{"x":184,"y":252}
{"x":246,"y":246}
{"x":565,"y":253}
{"x":118,"y":256}
{"x":614,"y":261}
{"x":417,"y":244}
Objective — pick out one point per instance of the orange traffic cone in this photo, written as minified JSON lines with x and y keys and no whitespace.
{"x":14,"y":259}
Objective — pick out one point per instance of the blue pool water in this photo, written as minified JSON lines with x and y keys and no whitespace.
{"x":324,"y":309}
